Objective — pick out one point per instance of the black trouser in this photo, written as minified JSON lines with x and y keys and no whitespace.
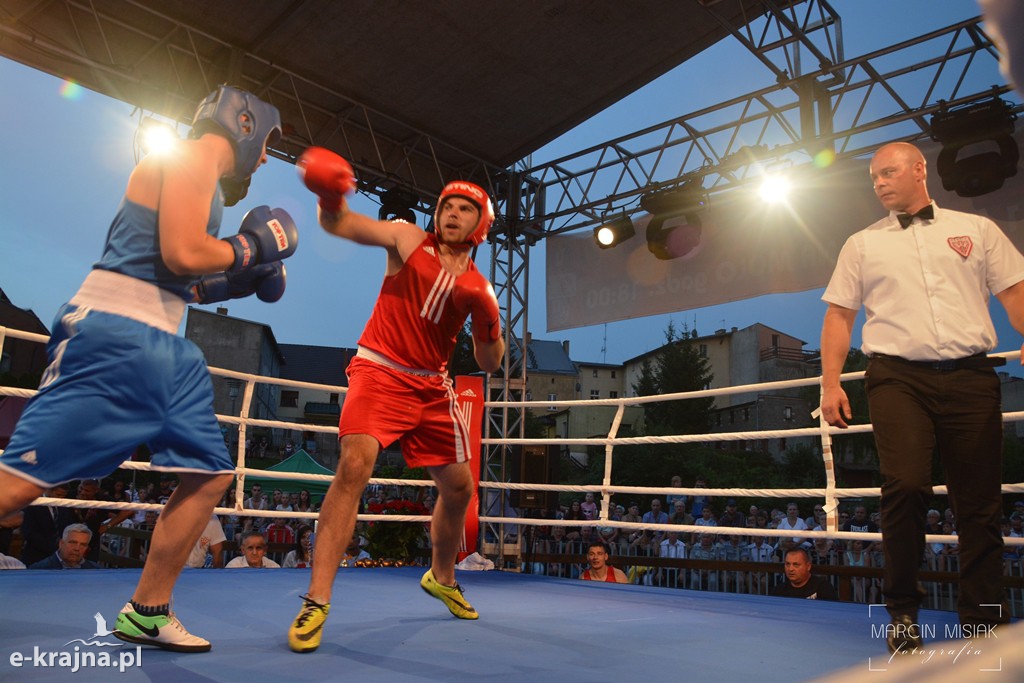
{"x":917,"y":411}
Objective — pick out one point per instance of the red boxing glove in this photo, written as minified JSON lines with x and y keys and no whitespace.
{"x":327,"y":175}
{"x":473,"y":294}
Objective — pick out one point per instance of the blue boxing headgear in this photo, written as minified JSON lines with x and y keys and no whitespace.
{"x":244,"y":119}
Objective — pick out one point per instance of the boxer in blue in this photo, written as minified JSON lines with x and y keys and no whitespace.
{"x":119,"y":376}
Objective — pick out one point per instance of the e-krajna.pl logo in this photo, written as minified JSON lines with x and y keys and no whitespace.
{"x":82,"y":656}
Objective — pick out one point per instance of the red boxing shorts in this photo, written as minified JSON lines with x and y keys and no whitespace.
{"x":419,"y":410}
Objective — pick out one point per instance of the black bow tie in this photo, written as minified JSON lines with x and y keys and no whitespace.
{"x":925,"y":214}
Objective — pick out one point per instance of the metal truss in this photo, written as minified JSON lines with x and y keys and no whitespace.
{"x":879,"y":97}
{"x":173,"y":65}
{"x":842,"y":108}
{"x":783,"y":35}
{"x":510,"y":274}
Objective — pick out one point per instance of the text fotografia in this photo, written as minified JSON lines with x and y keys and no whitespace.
{"x":964,"y":640}
{"x":79,"y":659}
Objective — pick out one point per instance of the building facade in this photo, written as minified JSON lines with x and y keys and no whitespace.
{"x":752,"y":355}
{"x":243,"y":346}
{"x":324,"y":365}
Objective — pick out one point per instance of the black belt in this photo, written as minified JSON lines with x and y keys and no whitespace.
{"x":975,"y":362}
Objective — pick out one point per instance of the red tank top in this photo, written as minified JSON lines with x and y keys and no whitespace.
{"x":414,"y":322}
{"x":609,"y":576}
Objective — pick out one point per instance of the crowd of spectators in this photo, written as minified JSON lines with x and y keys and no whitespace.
{"x":631,"y":548}
{"x":37,"y":533}
{"x":59,"y":537}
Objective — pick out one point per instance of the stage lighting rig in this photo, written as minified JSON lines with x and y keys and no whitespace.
{"x":155,"y":137}
{"x":991,"y":121}
{"x":615,"y":232}
{"x":398,"y":204}
{"x":675,"y":226}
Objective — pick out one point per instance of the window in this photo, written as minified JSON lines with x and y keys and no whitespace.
{"x":613,"y":374}
{"x":289,"y":399}
{"x":552,"y":397}
{"x":613,"y":394}
{"x":333,"y":400}
{"x":703,"y":350}
{"x":595,"y":372}
{"x":787,"y":414}
{"x":775,"y":341}
{"x":595,"y":393}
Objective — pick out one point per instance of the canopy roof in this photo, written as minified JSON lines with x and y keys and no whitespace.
{"x":412,"y":93}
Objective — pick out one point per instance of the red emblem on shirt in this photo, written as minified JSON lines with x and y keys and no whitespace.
{"x":961,"y":245}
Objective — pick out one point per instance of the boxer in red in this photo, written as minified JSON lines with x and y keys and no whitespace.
{"x":598,"y":568}
{"x":398,"y":384}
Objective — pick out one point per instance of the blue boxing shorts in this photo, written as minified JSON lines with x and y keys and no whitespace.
{"x":115,"y":383}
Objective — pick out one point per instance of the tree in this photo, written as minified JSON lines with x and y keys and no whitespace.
{"x":647,"y":385}
{"x":463,"y":362}
{"x":681,"y":368}
{"x":678,"y":367}
{"x":861,"y":447}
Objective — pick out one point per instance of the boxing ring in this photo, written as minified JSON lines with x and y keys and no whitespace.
{"x":383,"y":628}
{"x":531,"y":628}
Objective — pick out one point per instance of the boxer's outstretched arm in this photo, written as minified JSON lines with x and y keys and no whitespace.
{"x":330,"y":178}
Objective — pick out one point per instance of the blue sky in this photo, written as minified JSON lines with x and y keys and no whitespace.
{"x":67,"y":158}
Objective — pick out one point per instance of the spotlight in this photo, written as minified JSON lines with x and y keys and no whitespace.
{"x":155,"y":137}
{"x":613,"y":233}
{"x":984,"y":122}
{"x":398,"y":204}
{"x":774,"y":188}
{"x":674,"y":230}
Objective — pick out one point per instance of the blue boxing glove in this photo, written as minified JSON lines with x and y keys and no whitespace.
{"x":265,"y":235}
{"x":266,"y":281}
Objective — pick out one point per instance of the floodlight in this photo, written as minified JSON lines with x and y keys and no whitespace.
{"x":613,"y":233}
{"x":774,"y":188}
{"x":155,"y":137}
{"x":398,"y":204}
{"x":990,"y":122}
{"x":675,"y":226}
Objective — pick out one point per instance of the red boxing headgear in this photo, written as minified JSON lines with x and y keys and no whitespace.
{"x":475,"y":194}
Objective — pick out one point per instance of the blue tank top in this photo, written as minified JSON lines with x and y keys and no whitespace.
{"x":133,"y":246}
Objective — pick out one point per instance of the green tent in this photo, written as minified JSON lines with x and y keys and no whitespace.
{"x":299,"y":462}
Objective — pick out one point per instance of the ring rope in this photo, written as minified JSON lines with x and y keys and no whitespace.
{"x":516,"y":521}
{"x":830,"y":493}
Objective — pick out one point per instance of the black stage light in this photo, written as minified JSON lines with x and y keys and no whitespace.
{"x":675,"y":226}
{"x":398,"y":204}
{"x":614,"y":233}
{"x":990,"y":121}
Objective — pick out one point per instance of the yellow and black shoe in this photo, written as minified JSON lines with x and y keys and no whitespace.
{"x":304,"y":635}
{"x":451,"y":596}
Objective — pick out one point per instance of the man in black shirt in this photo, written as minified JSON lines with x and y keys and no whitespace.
{"x":800,"y":583}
